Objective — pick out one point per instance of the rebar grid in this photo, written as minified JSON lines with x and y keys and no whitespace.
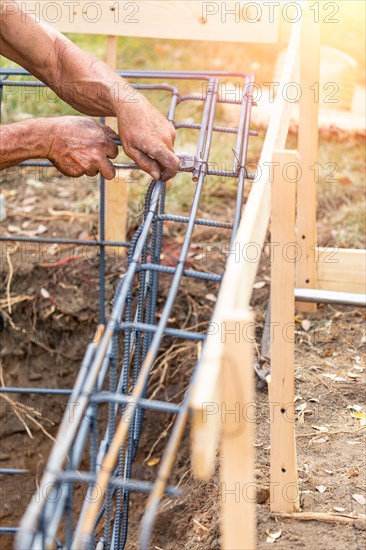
{"x":117,"y":373}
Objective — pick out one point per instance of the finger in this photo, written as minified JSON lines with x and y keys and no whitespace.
{"x":145,"y":162}
{"x":165,"y":156}
{"x":170,"y":164}
{"x":112,"y":148}
{"x":108,"y":130}
{"x":91,"y":172}
{"x":167,"y":175}
{"x":107,"y":169}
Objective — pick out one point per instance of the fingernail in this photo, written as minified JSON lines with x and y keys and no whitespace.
{"x":155,"y":175}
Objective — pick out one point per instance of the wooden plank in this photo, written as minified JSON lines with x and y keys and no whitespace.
{"x":283,"y":462}
{"x":308,"y":149}
{"x":116,"y":190}
{"x":237,"y":285}
{"x":237,"y":411}
{"x":190,"y":20}
{"x":341,"y":270}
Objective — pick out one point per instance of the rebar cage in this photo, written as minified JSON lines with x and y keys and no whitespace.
{"x":98,"y":453}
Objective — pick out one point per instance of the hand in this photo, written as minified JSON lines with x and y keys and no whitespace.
{"x":81,"y":146}
{"x":148,"y":138}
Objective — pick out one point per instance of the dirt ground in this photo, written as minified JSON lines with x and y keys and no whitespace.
{"x":54,"y":315}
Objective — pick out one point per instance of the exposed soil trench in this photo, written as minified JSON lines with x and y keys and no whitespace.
{"x":44,"y":343}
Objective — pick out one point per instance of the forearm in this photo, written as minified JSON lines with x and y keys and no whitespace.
{"x":29,"y":139}
{"x":84,"y":82}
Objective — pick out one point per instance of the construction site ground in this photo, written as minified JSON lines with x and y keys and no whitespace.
{"x":54,"y":313}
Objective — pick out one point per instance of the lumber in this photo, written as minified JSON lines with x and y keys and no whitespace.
{"x":237,"y":285}
{"x":116,"y":190}
{"x":308,"y":149}
{"x":238,"y":490}
{"x":283,"y":461}
{"x":341,"y":269}
{"x":238,"y":21}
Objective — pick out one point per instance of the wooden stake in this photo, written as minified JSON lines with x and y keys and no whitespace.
{"x":116,"y":190}
{"x":308,"y":149}
{"x":283,"y":465}
{"x":237,"y":411}
{"x":237,"y":286}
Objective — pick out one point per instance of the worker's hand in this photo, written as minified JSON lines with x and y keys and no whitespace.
{"x":147,"y":137}
{"x":81,"y":146}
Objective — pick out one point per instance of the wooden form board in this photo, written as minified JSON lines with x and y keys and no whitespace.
{"x":225,"y":21}
{"x":308,"y":149}
{"x":341,"y":269}
{"x":283,"y":461}
{"x":116,"y":190}
{"x":237,"y":285}
{"x":237,"y":414}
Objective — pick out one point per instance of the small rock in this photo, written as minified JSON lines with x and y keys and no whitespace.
{"x":2,"y":208}
{"x":35,"y":376}
{"x":262,"y":494}
{"x":4,"y":456}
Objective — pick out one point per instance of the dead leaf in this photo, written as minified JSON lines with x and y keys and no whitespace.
{"x":27,"y":210}
{"x":357,"y":408}
{"x":360,"y":499}
{"x":211,"y":297}
{"x":328,"y":352}
{"x":361,"y":416}
{"x":344,"y":180}
{"x":319,"y":440}
{"x":339,"y":509}
{"x":53,"y":249}
{"x":260,"y":284}
{"x":29,"y":201}
{"x":306,"y":324}
{"x":353,"y":375}
{"x":321,"y":428}
{"x":272,"y":537}
{"x":153,"y":461}
{"x":13,"y":229}
{"x":40,"y":229}
{"x":334,"y":377}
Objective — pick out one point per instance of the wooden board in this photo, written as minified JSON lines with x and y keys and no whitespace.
{"x":237,"y":285}
{"x":237,"y":412}
{"x":116,"y":190}
{"x":230,"y":21}
{"x":308,"y":149}
{"x":283,"y":461}
{"x":341,"y":269}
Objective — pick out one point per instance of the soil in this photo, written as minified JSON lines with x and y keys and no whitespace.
{"x":46,"y":336}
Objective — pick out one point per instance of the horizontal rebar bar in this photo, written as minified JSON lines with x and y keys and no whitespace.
{"x":203,"y":275}
{"x":132,"y":485}
{"x":12,"y":471}
{"x":160,"y":406}
{"x":174,"y":333}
